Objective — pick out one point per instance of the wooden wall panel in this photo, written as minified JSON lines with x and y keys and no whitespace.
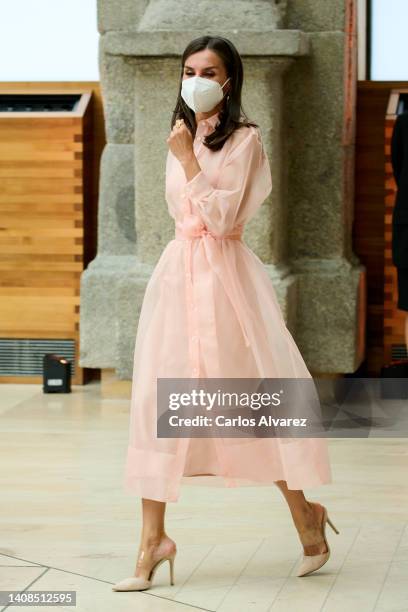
{"x":49,"y":175}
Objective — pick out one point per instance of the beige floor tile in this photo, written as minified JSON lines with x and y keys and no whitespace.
{"x":97,"y":596}
{"x":18,"y":576}
{"x":63,"y":507}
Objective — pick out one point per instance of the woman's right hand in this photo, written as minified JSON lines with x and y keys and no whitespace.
{"x":180,"y":142}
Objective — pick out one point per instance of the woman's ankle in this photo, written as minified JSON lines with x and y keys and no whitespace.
{"x":304,"y":515}
{"x":153,"y":538}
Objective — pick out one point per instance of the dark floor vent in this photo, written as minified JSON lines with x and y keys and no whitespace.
{"x":24,"y":356}
{"x":398,"y":351}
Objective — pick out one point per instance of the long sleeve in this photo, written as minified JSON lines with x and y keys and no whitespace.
{"x":244,"y":183}
{"x":397,"y":149}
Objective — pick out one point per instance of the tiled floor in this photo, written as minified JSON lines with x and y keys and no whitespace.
{"x":66,"y":523}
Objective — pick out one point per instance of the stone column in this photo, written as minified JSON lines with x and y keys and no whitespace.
{"x":140,"y":47}
{"x":320,"y":95}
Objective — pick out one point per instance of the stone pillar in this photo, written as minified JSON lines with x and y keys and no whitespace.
{"x":320,"y":95}
{"x":140,"y":47}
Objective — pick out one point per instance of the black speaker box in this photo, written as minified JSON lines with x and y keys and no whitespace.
{"x":56,"y":374}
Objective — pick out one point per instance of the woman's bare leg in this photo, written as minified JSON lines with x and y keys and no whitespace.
{"x":306,"y":517}
{"x":153,"y":534}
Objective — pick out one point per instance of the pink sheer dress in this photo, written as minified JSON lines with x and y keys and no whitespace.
{"x":210,"y":310}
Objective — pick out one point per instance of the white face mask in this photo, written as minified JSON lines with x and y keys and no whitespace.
{"x":201,"y":94}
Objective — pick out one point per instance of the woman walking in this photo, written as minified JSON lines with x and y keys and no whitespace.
{"x":210,"y":310}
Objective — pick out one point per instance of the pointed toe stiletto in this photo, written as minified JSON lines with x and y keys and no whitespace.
{"x":138,"y":583}
{"x":311,"y":563}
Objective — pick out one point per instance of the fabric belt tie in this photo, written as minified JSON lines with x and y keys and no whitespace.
{"x":188,"y":230}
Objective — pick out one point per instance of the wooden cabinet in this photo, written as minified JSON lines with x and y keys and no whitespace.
{"x":47,"y":227}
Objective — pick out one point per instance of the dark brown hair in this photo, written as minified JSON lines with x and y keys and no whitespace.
{"x":231,"y":110}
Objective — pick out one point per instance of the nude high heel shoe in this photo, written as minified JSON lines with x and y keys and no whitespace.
{"x":311,"y":563}
{"x":138,"y":583}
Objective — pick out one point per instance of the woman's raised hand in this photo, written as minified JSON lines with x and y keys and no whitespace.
{"x":180,"y":142}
